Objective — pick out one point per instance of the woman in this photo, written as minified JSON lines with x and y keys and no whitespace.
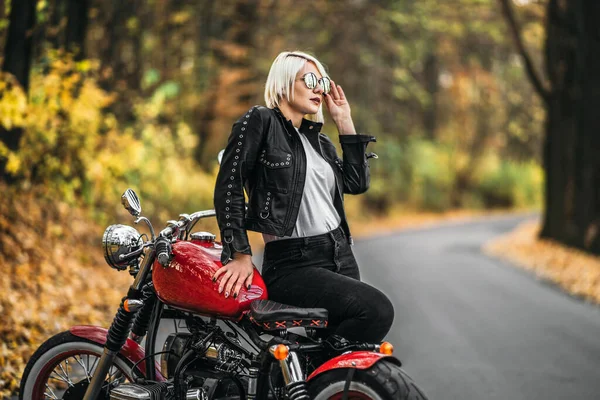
{"x":295,"y":184}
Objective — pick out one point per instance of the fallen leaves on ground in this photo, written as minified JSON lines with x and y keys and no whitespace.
{"x":54,"y":276}
{"x":576,"y":272}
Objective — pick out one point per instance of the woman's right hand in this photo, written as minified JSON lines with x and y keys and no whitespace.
{"x":236,"y":273}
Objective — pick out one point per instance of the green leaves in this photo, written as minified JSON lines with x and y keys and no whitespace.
{"x":166,"y":91}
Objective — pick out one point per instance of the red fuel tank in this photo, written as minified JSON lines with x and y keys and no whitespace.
{"x":187,"y":282}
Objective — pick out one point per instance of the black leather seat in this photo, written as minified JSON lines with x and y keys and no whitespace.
{"x":272,"y":316}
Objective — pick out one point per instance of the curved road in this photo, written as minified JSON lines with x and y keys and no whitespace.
{"x":471,"y":327}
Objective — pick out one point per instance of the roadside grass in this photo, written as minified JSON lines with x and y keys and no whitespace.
{"x":574,"y":271}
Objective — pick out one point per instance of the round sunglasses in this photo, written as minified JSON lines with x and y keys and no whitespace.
{"x":311,"y":81}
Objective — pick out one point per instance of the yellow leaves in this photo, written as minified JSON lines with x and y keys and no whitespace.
{"x":180,"y":18}
{"x":78,"y":149}
{"x":87,"y":65}
{"x":13,"y":103}
{"x":575,"y":271}
{"x":13,"y":164}
{"x":54,"y":277}
{"x":63,"y":122}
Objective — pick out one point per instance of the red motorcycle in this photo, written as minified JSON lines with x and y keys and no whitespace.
{"x":243,"y":348}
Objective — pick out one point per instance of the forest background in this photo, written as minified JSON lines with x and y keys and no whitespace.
{"x":142,"y":94}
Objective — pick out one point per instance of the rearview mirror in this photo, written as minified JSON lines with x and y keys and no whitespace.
{"x":131,"y":203}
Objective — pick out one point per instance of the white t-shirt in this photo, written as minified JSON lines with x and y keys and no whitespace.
{"x":317,"y":214}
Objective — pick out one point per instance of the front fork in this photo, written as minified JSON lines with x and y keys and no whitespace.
{"x":117,"y":335}
{"x":120,"y":328}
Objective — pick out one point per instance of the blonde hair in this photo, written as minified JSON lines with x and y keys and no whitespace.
{"x":282,"y":75}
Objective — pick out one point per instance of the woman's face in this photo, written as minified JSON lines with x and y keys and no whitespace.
{"x":305,"y":100}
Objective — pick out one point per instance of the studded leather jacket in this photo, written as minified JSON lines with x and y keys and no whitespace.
{"x":265,"y":156}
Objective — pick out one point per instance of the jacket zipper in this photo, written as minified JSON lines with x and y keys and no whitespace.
{"x":302,"y":158}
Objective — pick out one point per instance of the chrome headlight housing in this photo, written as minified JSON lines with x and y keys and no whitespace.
{"x":118,"y":240}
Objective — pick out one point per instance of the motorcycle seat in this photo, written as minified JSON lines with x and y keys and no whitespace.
{"x":272,"y":316}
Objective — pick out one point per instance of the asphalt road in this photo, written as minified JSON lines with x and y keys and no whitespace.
{"x":471,"y":327}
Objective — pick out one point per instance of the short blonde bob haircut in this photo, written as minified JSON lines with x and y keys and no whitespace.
{"x":282,"y":75}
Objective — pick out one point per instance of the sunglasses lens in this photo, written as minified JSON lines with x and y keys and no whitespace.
{"x":310,"y":80}
{"x":326,"y":84}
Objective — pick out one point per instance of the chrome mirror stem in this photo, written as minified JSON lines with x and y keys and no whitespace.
{"x":147,"y":221}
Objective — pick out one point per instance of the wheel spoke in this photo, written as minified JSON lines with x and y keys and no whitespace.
{"x":52,"y":395}
{"x":66,"y":374}
{"x":57,"y":377}
{"x":67,"y":370}
{"x":94,"y":364}
{"x":72,"y":373}
{"x":85,"y":370}
{"x":116,"y":375}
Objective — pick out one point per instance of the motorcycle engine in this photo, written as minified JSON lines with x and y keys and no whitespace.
{"x":219,"y":355}
{"x":218,"y":361}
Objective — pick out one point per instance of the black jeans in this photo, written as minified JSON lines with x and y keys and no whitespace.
{"x":321,"y":272}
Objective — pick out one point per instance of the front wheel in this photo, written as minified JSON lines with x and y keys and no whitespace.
{"x":63,"y":366}
{"x":383,"y":381}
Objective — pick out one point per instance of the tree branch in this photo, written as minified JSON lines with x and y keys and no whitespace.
{"x":534,"y":77}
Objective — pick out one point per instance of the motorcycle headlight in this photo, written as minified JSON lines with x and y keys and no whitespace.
{"x":118,"y":240}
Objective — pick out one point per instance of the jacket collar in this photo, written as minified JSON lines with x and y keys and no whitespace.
{"x":306,"y":126}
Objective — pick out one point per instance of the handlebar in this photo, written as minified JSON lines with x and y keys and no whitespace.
{"x":177,"y":228}
{"x":163,"y":250}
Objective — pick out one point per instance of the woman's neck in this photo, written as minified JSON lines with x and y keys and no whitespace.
{"x":291,"y":114}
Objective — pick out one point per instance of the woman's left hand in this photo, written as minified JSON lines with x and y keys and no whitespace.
{"x":339,"y":109}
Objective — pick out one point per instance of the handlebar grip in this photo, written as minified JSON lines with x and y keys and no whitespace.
{"x":163,"y":251}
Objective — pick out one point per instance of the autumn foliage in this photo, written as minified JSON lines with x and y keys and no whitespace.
{"x":54,"y":276}
{"x":75,"y":161}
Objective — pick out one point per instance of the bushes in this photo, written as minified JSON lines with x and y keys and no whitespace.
{"x":76,"y":148}
{"x":512,"y":184}
{"x":438,"y":176}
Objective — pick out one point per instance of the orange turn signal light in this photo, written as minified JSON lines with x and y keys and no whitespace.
{"x":386,"y":348}
{"x":132,"y":305}
{"x":280,"y":352}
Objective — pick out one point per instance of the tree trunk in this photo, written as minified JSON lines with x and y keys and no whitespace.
{"x":54,"y":31}
{"x":77,"y":14}
{"x":572,"y":145}
{"x":431,"y":75}
{"x":17,"y":61}
{"x":19,"y":43}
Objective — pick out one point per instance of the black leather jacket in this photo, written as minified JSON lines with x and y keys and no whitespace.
{"x":265,"y":156}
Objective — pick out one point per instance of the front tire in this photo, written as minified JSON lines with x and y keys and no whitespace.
{"x":62,"y":367}
{"x":383,"y":381}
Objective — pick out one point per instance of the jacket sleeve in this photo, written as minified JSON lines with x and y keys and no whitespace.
{"x":230,"y":206}
{"x":355,"y":166}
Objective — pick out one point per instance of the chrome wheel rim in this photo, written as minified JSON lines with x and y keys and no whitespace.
{"x":64,"y":372}
{"x":356,"y":391}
